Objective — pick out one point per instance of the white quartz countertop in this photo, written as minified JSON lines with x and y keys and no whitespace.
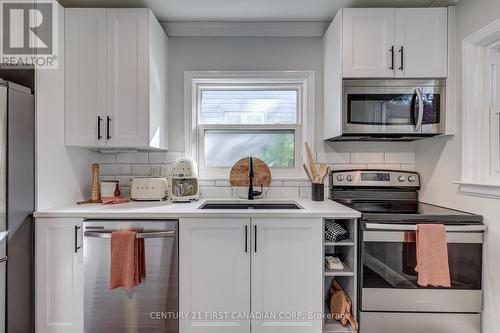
{"x":162,"y":210}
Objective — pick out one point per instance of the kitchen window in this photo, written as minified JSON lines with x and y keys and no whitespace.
{"x":481,"y":123}
{"x":239,"y":114}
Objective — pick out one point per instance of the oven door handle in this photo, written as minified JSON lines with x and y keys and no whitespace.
{"x":149,"y":234}
{"x":413,"y":227}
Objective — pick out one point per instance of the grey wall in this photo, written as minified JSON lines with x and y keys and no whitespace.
{"x":439,"y":162}
{"x":235,"y":54}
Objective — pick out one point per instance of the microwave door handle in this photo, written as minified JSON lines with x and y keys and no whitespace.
{"x":418,"y":125}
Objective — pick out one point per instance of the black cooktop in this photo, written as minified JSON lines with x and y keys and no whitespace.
{"x":396,"y":211}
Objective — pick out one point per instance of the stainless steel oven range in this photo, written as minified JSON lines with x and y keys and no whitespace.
{"x":390,"y":299}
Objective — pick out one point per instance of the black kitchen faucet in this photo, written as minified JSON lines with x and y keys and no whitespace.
{"x":251,"y":192}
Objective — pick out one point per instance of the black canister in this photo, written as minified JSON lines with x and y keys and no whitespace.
{"x":317,"y":192}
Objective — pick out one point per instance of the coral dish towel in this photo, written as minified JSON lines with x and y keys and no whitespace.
{"x":432,"y":256}
{"x":128,"y":264}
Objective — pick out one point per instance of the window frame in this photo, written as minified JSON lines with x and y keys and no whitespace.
{"x":481,"y":126}
{"x":196,"y":82}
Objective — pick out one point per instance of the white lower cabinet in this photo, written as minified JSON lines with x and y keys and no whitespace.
{"x":59,"y":276}
{"x":250,"y":275}
{"x":287,"y":275}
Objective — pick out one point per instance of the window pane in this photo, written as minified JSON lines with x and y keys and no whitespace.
{"x":224,"y":148}
{"x":249,"y":107}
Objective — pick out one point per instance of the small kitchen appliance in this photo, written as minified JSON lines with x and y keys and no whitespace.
{"x":149,"y":189}
{"x":391,"y":300}
{"x":184,"y":181}
{"x":391,"y":110}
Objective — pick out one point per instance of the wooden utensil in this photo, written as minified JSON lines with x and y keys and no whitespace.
{"x":325,"y":175}
{"x":239,"y":173}
{"x":323,"y":171}
{"x":307,"y":172}
{"x":95,"y":194}
{"x":341,"y":306}
{"x":312,"y":164}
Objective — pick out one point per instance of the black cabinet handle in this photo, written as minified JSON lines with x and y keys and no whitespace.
{"x":99,"y":136}
{"x":392,"y":58}
{"x":401,"y":50}
{"x":76,"y":239}
{"x":255,"y":245}
{"x":246,"y":238}
{"x":108,"y":119}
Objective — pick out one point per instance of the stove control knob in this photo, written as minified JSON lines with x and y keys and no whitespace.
{"x":340,"y":178}
{"x":349,"y":178}
{"x":401,"y":179}
{"x":411,"y":179}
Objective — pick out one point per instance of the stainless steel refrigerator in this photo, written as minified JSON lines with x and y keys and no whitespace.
{"x":17,"y":201}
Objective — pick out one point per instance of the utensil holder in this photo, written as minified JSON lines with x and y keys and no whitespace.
{"x":317,"y":192}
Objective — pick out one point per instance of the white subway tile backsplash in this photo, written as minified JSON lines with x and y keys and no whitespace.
{"x":105,"y":158}
{"x":224,"y":183}
{"x":164,"y":157}
{"x":408,"y":167}
{"x":400,"y":157}
{"x":141,"y":169}
{"x":124,"y":180}
{"x":334,"y":157}
{"x":367,"y":158}
{"x":132,"y":157}
{"x":296,"y":183}
{"x":282,"y":192}
{"x":206,"y":183}
{"x":348,"y":166}
{"x":276,"y":183}
{"x":305,"y":192}
{"x":115,"y":169}
{"x":216,"y":192}
{"x":384,"y":166}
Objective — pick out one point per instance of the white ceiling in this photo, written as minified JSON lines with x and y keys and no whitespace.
{"x":250,"y":10}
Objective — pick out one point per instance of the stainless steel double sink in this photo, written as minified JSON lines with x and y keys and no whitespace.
{"x":249,"y":205}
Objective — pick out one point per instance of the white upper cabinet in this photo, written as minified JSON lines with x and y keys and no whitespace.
{"x":116,"y":79}
{"x":394,"y":43}
{"x":85,"y":76}
{"x":367,"y":42}
{"x":421,"y":42}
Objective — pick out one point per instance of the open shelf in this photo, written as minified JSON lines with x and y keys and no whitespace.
{"x":347,"y":271}
{"x":346,"y":242}
{"x":333,"y":326}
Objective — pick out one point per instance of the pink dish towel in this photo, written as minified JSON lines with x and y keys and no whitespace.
{"x":432,"y":256}
{"x":113,"y":200}
{"x":128,"y":260}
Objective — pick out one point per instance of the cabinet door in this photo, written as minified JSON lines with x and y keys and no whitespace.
{"x":422,"y":36}
{"x":127,"y":77}
{"x":214,"y":275}
{"x":59,"y":276}
{"x":287,"y":268}
{"x":367,"y":41}
{"x":85,"y":76}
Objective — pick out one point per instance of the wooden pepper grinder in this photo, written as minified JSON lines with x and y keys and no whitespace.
{"x":95,"y":194}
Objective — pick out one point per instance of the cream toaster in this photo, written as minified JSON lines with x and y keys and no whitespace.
{"x":149,"y":189}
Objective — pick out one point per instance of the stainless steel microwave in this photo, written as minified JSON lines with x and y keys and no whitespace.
{"x":392,"y":109}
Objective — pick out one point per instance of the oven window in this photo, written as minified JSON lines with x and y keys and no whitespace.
{"x":392,"y":265}
{"x":381,"y":109}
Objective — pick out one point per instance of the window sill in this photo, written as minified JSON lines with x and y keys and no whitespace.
{"x":479,"y":190}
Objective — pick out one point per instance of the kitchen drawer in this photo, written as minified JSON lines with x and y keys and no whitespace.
{"x":381,"y":322}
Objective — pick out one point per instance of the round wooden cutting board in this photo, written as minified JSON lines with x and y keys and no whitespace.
{"x":239,"y":173}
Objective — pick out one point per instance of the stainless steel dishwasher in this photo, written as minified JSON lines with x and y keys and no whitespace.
{"x":148,"y":308}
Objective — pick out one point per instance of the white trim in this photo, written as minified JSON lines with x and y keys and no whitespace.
{"x":304,"y":80}
{"x":480,"y":190}
{"x":245,"y":29}
{"x":476,"y":143}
